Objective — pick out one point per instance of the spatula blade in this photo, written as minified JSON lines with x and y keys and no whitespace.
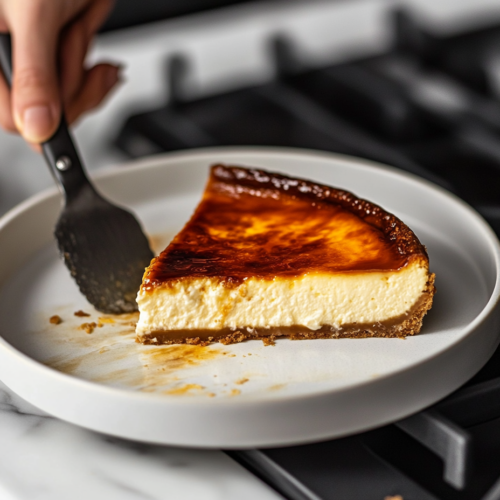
{"x":105,"y":250}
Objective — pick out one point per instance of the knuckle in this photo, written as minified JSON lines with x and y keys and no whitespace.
{"x":30,"y":78}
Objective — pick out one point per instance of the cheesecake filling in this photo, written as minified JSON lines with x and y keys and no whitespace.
{"x":313,"y":301}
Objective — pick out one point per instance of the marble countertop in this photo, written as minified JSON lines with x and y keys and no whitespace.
{"x":42,"y":457}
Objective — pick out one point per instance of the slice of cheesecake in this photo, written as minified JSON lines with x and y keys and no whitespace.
{"x":267,"y":256}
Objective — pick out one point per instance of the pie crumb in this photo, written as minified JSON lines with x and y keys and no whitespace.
{"x":56,"y":319}
{"x":242,"y":381}
{"x":268,"y":341}
{"x":81,"y":314}
{"x":88,"y":327}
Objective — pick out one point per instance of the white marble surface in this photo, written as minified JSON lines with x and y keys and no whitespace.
{"x":43,"y":458}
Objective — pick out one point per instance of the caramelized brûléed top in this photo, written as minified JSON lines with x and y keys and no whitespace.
{"x":252,"y":223}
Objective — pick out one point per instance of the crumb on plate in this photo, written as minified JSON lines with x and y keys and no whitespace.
{"x":56,"y":319}
{"x":81,"y":314}
{"x":268,"y":341}
{"x":88,"y":327}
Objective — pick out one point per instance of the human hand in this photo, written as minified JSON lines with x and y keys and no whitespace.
{"x":50,"y":39}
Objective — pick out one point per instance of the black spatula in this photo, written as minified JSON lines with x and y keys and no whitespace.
{"x":103,"y":245}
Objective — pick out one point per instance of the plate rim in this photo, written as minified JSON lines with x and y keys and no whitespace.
{"x":157,"y":160}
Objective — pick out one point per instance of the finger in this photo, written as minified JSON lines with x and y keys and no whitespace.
{"x":99,"y":81}
{"x":73,"y":49}
{"x":74,"y":46}
{"x":95,"y":15}
{"x":6,"y":120}
{"x":35,"y":95}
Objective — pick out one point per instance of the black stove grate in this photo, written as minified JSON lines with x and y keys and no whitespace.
{"x":448,"y":452}
{"x":391,"y":108}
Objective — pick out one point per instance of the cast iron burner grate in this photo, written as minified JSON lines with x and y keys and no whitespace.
{"x":426,"y":107}
{"x":447,"y":452}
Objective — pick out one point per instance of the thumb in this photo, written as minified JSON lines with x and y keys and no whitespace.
{"x":35,"y":87}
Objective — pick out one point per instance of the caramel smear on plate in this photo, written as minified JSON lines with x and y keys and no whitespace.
{"x":112,"y":357}
{"x":184,"y":389}
{"x":104,"y":320}
{"x":277,"y":387}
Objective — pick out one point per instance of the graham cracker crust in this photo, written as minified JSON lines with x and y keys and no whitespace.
{"x":399,"y":327}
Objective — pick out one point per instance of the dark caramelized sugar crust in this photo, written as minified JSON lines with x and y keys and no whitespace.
{"x":252,"y":223}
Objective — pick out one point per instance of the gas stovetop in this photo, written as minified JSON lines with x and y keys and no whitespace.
{"x":427,"y":106}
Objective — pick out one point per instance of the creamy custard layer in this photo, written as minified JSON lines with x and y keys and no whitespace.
{"x":313,"y":301}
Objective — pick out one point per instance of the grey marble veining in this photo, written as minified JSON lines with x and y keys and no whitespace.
{"x":43,"y":458}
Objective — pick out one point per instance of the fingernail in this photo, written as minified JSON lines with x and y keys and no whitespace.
{"x":37,"y":123}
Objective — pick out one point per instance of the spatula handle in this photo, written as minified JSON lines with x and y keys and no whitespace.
{"x":59,"y":151}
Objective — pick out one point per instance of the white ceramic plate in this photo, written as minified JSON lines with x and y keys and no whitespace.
{"x":246,"y":394}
